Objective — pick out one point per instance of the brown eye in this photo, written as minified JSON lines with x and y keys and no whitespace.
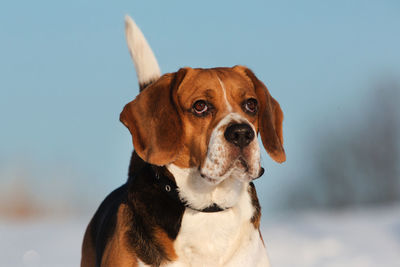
{"x":250,"y":105}
{"x":200,"y":107}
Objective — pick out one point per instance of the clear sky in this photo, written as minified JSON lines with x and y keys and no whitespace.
{"x":65,"y":75}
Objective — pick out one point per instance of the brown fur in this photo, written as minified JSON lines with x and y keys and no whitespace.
{"x":166,"y":243}
{"x":165,"y":130}
{"x":88,"y":249}
{"x":117,"y":251}
{"x":154,"y":120}
{"x":255,"y":219}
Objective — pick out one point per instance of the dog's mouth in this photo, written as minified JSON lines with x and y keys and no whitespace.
{"x":244,"y":163}
{"x":238,"y":168}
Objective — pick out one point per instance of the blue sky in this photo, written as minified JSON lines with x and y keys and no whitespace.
{"x":66,"y":75}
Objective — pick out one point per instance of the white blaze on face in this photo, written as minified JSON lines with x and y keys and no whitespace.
{"x":228,"y":105}
{"x":225,"y":160}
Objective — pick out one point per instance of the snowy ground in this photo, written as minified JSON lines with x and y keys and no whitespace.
{"x":353,"y":238}
{"x":348,"y":239}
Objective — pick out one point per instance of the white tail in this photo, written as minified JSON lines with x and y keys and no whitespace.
{"x":146,"y":65}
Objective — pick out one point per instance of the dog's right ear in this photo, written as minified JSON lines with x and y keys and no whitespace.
{"x":154,"y":120}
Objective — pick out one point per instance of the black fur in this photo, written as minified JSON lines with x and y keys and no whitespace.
{"x":149,"y":208}
{"x":153,"y":207}
{"x":104,"y":220}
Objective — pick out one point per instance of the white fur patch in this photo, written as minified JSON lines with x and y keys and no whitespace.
{"x":146,"y":65}
{"x":224,"y":238}
{"x":225,"y":160}
{"x":200,"y":193}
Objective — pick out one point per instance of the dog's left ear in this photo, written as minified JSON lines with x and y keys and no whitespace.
{"x":154,"y":120}
{"x":270,"y":118}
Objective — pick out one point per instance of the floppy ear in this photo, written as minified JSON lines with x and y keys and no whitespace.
{"x":270,"y":118}
{"x":154,"y":120}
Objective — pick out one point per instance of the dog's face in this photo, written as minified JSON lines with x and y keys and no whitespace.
{"x":207,"y":119}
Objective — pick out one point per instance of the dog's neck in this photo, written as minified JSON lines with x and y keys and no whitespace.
{"x":200,"y":193}
{"x":165,"y":182}
{"x":186,"y":186}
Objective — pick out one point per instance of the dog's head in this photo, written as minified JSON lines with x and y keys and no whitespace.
{"x":208,"y":119}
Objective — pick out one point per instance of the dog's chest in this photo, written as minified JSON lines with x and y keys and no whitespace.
{"x":210,"y":236}
{"x":225,"y":238}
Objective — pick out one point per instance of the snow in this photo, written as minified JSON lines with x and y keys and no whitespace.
{"x":352,"y":238}
{"x":55,"y":243}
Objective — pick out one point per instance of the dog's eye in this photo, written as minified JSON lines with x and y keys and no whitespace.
{"x":250,"y":105}
{"x":200,"y":107}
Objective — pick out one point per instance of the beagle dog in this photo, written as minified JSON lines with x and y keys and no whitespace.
{"x":189,"y":199}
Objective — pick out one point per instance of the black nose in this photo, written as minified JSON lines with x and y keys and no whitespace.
{"x":239,"y":134}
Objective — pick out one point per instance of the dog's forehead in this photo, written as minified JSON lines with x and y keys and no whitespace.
{"x":233,"y":79}
{"x":212,"y":83}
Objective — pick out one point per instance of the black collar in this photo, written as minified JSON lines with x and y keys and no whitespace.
{"x":168,"y":185}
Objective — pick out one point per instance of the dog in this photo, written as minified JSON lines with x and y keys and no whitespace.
{"x":189,"y":199}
